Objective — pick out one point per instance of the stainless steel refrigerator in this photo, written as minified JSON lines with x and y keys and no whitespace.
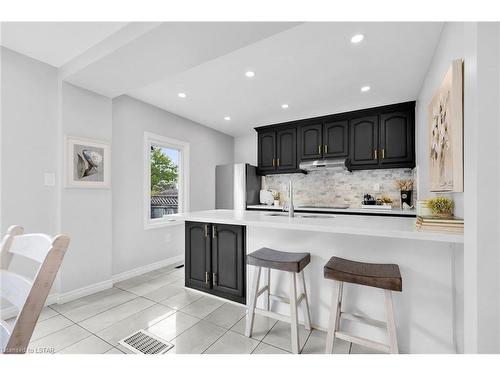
{"x":236,"y":186}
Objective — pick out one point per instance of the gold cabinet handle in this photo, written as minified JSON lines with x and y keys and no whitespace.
{"x":206,"y":230}
{"x":214,"y":231}
{"x":383,"y":153}
{"x":206,"y":278}
{"x":375,"y":154}
{"x":214,"y":278}
{"x":325,"y":147}
{"x":273,"y":162}
{"x":278,"y":162}
{"x":319,"y":150}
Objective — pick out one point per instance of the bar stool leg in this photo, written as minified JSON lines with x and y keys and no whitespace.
{"x":391,"y":324}
{"x":253,"y":302}
{"x":305,"y":307}
{"x":334,"y":321}
{"x":268,"y":294}
{"x":293,"y":314}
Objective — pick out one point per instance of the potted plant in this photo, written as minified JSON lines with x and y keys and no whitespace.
{"x":276,"y":197}
{"x":440,"y":206}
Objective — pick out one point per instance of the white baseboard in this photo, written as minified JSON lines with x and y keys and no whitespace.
{"x":59,"y":298}
{"x":11,"y":311}
{"x":84,"y":291}
{"x":147,"y":268}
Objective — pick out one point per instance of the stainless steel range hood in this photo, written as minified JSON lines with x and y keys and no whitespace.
{"x":312,"y":165}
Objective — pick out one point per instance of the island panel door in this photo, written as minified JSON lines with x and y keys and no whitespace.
{"x":228,"y":261}
{"x":198,"y":255}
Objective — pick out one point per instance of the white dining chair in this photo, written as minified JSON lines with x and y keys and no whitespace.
{"x":28,"y":296}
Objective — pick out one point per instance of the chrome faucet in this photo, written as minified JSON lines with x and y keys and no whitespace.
{"x":291,"y":210}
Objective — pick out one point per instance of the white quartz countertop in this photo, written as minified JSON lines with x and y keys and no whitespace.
{"x":393,"y":227}
{"x":365,"y":211}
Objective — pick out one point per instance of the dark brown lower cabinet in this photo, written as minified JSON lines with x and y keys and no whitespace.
{"x":215,"y":259}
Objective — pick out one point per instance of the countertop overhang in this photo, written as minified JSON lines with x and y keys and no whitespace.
{"x":391,"y":227}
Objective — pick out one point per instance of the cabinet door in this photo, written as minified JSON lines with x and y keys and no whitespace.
{"x":310,"y":142}
{"x":396,"y":137}
{"x":286,"y":146}
{"x":228,"y":261}
{"x":364,"y":141}
{"x":336,"y":139}
{"x":267,"y":151}
{"x":198,"y":255}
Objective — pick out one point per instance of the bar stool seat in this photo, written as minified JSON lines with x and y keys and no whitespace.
{"x":384,"y":276}
{"x":293,"y":264}
{"x":279,"y":260}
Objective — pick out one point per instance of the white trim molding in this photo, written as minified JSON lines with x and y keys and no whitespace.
{"x":183,"y":147}
{"x":148,"y":268}
{"x":84,"y":291}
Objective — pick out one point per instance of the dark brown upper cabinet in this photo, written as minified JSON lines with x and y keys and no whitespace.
{"x":286,"y":146}
{"x":277,"y":151}
{"x":310,"y":141}
{"x":373,"y":138}
{"x":336,"y":139}
{"x":396,"y":137}
{"x":364,"y":141}
{"x":267,"y":151}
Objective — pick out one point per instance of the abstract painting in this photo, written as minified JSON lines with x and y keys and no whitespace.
{"x":88,"y":163}
{"x":446,"y":133}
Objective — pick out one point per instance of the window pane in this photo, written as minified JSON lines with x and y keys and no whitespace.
{"x":164,"y":181}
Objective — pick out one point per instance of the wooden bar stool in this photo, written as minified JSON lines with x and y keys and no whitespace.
{"x":294,"y":264}
{"x":383,"y":276}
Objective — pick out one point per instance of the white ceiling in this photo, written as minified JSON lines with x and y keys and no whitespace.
{"x":55,"y":43}
{"x":313,"y":67}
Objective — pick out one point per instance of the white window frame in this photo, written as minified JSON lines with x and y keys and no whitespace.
{"x":183,"y":147}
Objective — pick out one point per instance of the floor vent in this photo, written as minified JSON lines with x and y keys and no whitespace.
{"x":143,"y":342}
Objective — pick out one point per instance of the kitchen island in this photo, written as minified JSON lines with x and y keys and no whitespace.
{"x":428,"y":311}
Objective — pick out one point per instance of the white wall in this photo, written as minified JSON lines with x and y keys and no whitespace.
{"x":450,"y":47}
{"x":134,"y":246}
{"x":29,"y":142}
{"x":482,"y":178}
{"x":28,"y":147}
{"x":245,"y":149}
{"x":86,"y":214}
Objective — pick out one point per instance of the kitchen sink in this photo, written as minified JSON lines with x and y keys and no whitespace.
{"x":301,"y":216}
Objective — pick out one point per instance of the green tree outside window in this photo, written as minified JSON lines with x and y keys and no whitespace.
{"x":164,"y":172}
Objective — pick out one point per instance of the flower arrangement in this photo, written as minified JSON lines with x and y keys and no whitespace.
{"x":384,"y":199}
{"x":441,"y":206}
{"x":405,"y":185}
{"x":276,"y":195}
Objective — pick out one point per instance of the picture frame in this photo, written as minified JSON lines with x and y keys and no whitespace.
{"x":446,"y":164}
{"x":87,"y":163}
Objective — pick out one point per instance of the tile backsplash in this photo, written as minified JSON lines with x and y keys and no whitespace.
{"x":327,"y":187}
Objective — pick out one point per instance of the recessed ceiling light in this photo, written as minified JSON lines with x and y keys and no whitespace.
{"x":181,"y":95}
{"x":357,"y":38}
{"x":284,"y":106}
{"x":250,"y":74}
{"x":365,"y":88}
{"x":227,"y":118}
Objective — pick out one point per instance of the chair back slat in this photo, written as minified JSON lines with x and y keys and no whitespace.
{"x":14,"y":288}
{"x":29,"y":297}
{"x":34,"y":246}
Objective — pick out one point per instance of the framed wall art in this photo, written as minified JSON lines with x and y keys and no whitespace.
{"x":446,"y":133}
{"x":88,"y":163}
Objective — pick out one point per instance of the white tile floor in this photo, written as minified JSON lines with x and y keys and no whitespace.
{"x":158,"y":302}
